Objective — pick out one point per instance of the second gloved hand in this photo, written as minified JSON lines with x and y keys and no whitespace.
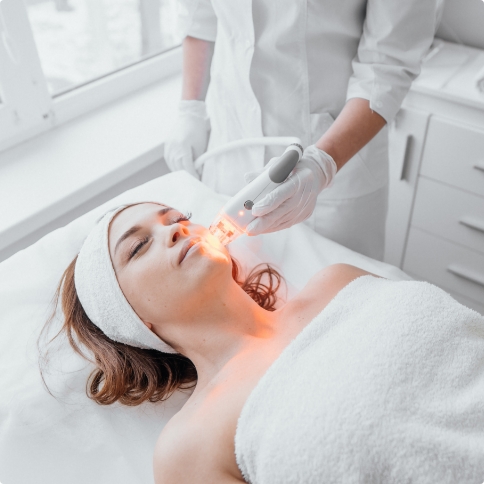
{"x":188,"y":138}
{"x":294,"y":200}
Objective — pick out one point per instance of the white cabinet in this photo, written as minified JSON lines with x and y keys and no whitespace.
{"x":454,"y":154}
{"x":435,"y":224}
{"x":450,"y":213}
{"x":407,"y":136}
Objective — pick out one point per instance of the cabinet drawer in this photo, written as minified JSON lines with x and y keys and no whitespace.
{"x":454,"y":154}
{"x":450,"y":213}
{"x":439,"y":262}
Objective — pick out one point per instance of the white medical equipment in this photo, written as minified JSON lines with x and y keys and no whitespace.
{"x":67,"y":438}
{"x":236,"y":214}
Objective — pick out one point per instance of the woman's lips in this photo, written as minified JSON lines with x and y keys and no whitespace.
{"x":188,"y":244}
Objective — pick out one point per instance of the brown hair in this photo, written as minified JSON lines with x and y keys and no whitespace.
{"x":134,"y":375}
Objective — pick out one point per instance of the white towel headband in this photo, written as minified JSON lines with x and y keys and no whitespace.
{"x":101,"y":297}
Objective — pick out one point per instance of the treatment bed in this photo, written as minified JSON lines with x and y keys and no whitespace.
{"x":67,"y":438}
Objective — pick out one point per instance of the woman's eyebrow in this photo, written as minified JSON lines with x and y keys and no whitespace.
{"x":135,"y":228}
{"x":127,"y":234}
{"x":165,"y":210}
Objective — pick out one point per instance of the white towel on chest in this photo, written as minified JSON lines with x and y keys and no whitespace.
{"x":385,"y":385}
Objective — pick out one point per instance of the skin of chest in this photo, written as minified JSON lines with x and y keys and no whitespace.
{"x":200,"y":437}
{"x":207,"y":423}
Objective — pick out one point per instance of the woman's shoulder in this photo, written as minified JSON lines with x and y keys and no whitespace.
{"x":324,"y":286}
{"x":339,"y":274}
{"x":196,"y":445}
{"x":169,"y":451}
{"x":329,"y":281}
{"x":175,"y":448}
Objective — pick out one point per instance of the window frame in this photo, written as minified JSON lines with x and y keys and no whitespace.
{"x":27,"y":108}
{"x":25,"y":98}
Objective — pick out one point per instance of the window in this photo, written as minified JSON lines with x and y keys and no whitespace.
{"x":22,"y":86}
{"x":82,"y":40}
{"x":53,"y":52}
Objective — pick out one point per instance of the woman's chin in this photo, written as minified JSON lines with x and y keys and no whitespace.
{"x":217,"y":254}
{"x":215,"y":244}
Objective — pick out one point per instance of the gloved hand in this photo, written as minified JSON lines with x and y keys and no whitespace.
{"x":294,"y":200}
{"x":189,"y":137}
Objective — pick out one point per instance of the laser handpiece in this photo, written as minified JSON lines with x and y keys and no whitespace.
{"x":236,"y":214}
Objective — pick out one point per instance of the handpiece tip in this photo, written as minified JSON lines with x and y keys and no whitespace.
{"x":224,"y":230}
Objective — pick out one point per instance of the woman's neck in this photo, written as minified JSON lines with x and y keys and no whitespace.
{"x":228,"y":324}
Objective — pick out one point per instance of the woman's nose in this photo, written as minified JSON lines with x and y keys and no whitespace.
{"x":176,"y":231}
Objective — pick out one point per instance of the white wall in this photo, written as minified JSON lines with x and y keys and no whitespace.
{"x":463,"y":22}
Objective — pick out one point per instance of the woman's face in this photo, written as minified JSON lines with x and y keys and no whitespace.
{"x":165,"y":265}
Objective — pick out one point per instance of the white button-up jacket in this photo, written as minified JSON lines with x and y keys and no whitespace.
{"x":287,"y":67}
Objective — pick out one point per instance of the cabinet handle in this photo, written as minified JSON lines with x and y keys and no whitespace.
{"x":479,"y":165}
{"x":473,"y":223}
{"x":465,"y":273}
{"x":406,"y":153}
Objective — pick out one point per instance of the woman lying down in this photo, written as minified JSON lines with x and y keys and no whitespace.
{"x":358,"y":379}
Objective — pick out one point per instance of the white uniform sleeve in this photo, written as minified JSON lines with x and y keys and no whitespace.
{"x":197,"y":18}
{"x":396,"y":36}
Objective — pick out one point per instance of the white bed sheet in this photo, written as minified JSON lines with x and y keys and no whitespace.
{"x":70,"y":439}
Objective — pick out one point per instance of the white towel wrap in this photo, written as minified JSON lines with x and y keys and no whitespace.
{"x":101,"y":297}
{"x":384,"y":386}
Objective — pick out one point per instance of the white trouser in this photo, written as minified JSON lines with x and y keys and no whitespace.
{"x":357,"y":223}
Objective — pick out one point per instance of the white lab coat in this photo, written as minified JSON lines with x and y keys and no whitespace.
{"x":287,"y":67}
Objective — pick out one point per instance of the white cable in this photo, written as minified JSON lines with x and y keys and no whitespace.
{"x":240,"y":143}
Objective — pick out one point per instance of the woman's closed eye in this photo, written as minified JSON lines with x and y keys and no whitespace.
{"x":181,"y":218}
{"x":140,"y":242}
{"x":137,"y":246}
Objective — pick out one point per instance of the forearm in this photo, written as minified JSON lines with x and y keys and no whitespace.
{"x":356,"y":125}
{"x":197,"y":59}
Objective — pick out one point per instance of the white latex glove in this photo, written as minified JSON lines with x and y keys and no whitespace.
{"x":294,"y":200}
{"x":188,"y":138}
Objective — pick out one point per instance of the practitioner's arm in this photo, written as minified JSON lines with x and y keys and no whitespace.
{"x":355,"y":126}
{"x":197,"y":60}
{"x":189,"y":136}
{"x":294,"y":201}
